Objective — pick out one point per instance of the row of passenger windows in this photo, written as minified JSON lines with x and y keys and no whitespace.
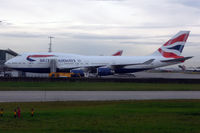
{"x":20,"y":63}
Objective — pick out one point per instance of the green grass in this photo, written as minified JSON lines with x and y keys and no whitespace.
{"x":102,"y":86}
{"x":167,"y":116}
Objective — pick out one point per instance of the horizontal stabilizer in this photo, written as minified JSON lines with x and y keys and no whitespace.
{"x":148,"y":62}
{"x":178,"y":59}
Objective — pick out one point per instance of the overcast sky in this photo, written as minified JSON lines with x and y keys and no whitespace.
{"x":99,"y":27}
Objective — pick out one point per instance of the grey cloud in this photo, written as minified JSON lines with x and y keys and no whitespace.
{"x":104,"y":37}
{"x":4,"y":22}
{"x":159,"y":26}
{"x":22,"y":35}
{"x":85,"y":36}
{"x":111,"y":0}
{"x":111,"y":37}
{"x":188,"y":44}
{"x":46,"y":22}
{"x":89,"y":36}
{"x":141,"y":42}
{"x":143,"y":26}
{"x":190,"y":3}
{"x":195,"y":35}
{"x":98,"y":36}
{"x":193,"y":44}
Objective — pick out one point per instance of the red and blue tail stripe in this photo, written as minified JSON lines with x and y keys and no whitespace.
{"x":181,"y":38}
{"x":174,"y":47}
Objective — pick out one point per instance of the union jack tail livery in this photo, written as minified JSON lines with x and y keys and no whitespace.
{"x":174,"y":47}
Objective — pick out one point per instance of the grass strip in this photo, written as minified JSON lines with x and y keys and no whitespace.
{"x":165,"y":116}
{"x":96,"y":86}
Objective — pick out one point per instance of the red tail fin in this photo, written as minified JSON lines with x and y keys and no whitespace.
{"x":118,"y":53}
{"x":174,"y":47}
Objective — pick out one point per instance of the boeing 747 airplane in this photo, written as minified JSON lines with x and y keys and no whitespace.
{"x":167,"y":54}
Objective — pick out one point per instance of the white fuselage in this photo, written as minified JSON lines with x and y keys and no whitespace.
{"x":40,"y":62}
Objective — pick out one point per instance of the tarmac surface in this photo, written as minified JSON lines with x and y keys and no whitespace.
{"x":167,"y":75}
{"x":42,"y":96}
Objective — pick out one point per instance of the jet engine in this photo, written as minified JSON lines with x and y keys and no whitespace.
{"x":104,"y":71}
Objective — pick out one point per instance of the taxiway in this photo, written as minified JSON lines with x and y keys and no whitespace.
{"x":39,"y":96}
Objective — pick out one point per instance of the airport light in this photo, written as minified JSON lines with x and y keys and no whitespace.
{"x":50,"y":43}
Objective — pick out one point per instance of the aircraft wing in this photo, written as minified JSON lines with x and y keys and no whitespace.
{"x":116,"y":66}
{"x":177,"y":59}
{"x":65,"y":68}
{"x":123,"y":65}
{"x":94,"y":66}
{"x":87,"y":68}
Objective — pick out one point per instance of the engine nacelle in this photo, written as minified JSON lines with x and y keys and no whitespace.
{"x":103,"y":71}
